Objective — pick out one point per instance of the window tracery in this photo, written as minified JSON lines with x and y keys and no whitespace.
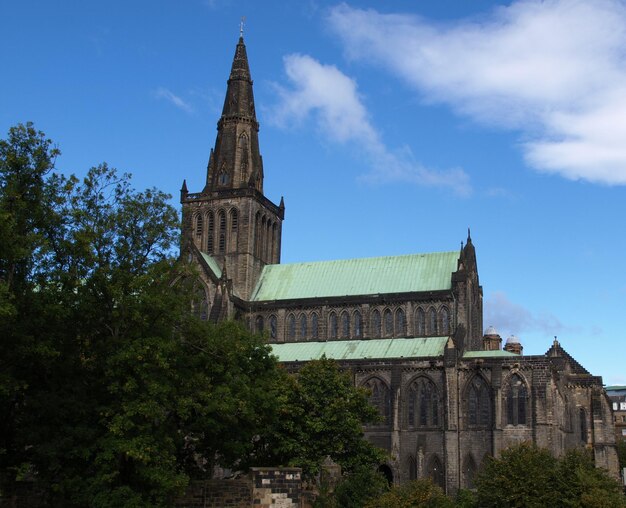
{"x":478,"y":403}
{"x":423,"y":410}
{"x":380,"y":398}
{"x":516,"y":401}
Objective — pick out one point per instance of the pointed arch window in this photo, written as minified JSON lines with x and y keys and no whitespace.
{"x":376,"y":331}
{"x":388,"y":320}
{"x":243,"y":155}
{"x":210,"y":232}
{"x":380,"y":398}
{"x":345,"y":325}
{"x":400,"y":323}
{"x":332,"y":326}
{"x":257,"y":235}
{"x":445,"y":321}
{"x":582,"y":417}
{"x":199,"y":226}
{"x":223,"y":178}
{"x":221,"y":218}
{"x":412,"y":463}
{"x":234,"y":229}
{"x":358,"y":325}
{"x":435,"y":471}
{"x":478,"y":403}
{"x":469,"y":472}
{"x":273,"y":327}
{"x":516,"y":401}
{"x":291,"y":327}
{"x":259,"y":324}
{"x":273,"y":252}
{"x":314,"y":327}
{"x":303,"y":327}
{"x":263,"y":234}
{"x":268,"y":244}
{"x":420,"y":323}
{"x":432,"y":322}
{"x":423,"y":410}
{"x":200,"y":302}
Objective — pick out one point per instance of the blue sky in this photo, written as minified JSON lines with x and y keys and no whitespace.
{"x":389,"y":128}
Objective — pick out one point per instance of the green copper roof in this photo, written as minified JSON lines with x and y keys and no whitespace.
{"x":352,"y":277}
{"x":212,"y":264}
{"x":499,"y":353}
{"x":360,"y":349}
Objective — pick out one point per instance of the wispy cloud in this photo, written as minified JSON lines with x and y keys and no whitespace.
{"x":512,"y":318}
{"x":552,"y":70}
{"x":332,"y":98}
{"x":164,"y":93}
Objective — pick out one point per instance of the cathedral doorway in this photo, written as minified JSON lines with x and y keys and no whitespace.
{"x":387,"y":473}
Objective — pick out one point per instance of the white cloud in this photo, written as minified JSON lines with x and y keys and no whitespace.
{"x":511,"y":318}
{"x":553,"y":70}
{"x":164,"y":93}
{"x":326,"y":93}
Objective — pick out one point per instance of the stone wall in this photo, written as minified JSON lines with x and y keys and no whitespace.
{"x":264,"y":487}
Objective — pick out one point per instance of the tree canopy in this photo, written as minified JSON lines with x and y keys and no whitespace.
{"x":112,"y":393}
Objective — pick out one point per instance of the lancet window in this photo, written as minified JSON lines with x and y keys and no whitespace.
{"x":478,"y":403}
{"x":516,"y":401}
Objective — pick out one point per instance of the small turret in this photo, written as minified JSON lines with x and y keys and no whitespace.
{"x":513,"y":345}
{"x":492,"y":340}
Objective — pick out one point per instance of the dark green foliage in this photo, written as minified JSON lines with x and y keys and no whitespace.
{"x":320,"y":414}
{"x":527,"y":476}
{"x":421,"y":493}
{"x":111,"y":392}
{"x":354,"y":490}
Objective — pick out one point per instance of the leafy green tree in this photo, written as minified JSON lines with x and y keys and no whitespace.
{"x":320,"y":414}
{"x":111,"y":393}
{"x":582,"y":484}
{"x":528,"y":476}
{"x":421,"y":493}
{"x":523,"y":476}
{"x":354,"y":490}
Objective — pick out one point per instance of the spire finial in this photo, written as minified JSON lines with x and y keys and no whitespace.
{"x":242,"y":22}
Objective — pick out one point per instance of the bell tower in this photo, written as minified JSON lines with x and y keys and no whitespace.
{"x":231,"y":220}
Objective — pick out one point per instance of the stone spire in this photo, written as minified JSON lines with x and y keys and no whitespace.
{"x":235,"y":162}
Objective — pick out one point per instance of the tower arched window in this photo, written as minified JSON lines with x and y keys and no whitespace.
{"x":314,"y":327}
{"x":388,"y":320}
{"x":358,"y":325}
{"x":400,"y":323}
{"x":445,"y":321}
{"x":273,"y":253}
{"x":199,"y":226}
{"x":268,"y":235}
{"x":420,"y":323}
{"x":263,"y":236}
{"x":200,"y":302}
{"x":273,"y":327}
{"x":432,"y":322}
{"x":243,"y":155}
{"x":478,"y":403}
{"x":516,"y":401}
{"x":423,"y":410}
{"x":332,"y":326}
{"x":291,"y":327}
{"x":303,"y":327}
{"x":259,"y":324}
{"x":210,"y":232}
{"x":223,"y":178}
{"x":234,"y":229}
{"x":345,"y":325}
{"x":221,"y":218}
{"x":380,"y":398}
{"x":257,"y":235}
{"x":376,"y":331}
{"x":582,"y":417}
{"x":435,"y":471}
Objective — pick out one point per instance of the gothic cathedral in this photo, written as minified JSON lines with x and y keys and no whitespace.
{"x":407,"y":327}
